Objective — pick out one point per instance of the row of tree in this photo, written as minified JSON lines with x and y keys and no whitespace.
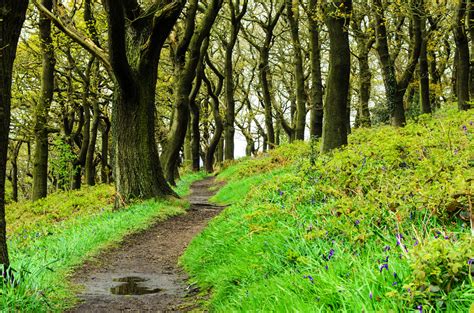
{"x":128,"y":91}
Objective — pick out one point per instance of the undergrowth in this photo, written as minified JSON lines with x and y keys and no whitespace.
{"x":59,"y":233}
{"x":381,"y":225}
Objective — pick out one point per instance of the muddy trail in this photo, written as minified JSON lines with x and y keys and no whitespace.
{"x":142,"y":275}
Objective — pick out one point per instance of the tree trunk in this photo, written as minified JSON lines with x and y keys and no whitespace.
{"x":365,"y":85}
{"x":40,"y":163}
{"x":335,"y":106}
{"x":395,"y":89}
{"x":14,"y":170}
{"x":134,"y":57}
{"x":12,"y":16}
{"x":229,"y":131}
{"x":265,"y":82}
{"x":462,"y":58}
{"x":316,"y":117}
{"x":425,"y":98}
{"x":300,"y":121}
{"x":90,"y":166}
{"x":106,"y":171}
{"x":186,"y":72}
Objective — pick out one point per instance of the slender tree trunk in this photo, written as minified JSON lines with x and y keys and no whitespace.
{"x":265,"y":82}
{"x":104,"y":160}
{"x":316,"y":117}
{"x":365,"y":85}
{"x":462,"y":59}
{"x":12,"y":16}
{"x":229,"y":131}
{"x":186,"y":72}
{"x":425,"y":98}
{"x":14,"y":170}
{"x":40,"y":163}
{"x":90,"y":166}
{"x":335,"y":108}
{"x":300,"y":121}
{"x":395,"y":89}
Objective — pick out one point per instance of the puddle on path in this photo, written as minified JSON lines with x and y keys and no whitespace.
{"x":132,"y":286}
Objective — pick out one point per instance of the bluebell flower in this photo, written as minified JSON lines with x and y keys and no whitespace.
{"x":331,"y":253}
{"x":420,"y":308}
{"x":470,"y":261}
{"x":357,"y":222}
{"x":394,"y":283}
{"x":386,"y":248}
{"x":383,"y":266}
{"x":371,"y":295}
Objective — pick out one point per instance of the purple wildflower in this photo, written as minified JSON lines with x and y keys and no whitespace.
{"x":326,"y":267}
{"x":420,"y":308}
{"x":386,"y":248}
{"x":470,"y":261}
{"x":394,"y":283}
{"x":416,"y":243}
{"x":446,"y":237}
{"x":386,"y":259}
{"x":357,"y":222}
{"x":371,"y":295}
{"x":464,"y":127}
{"x":331,"y":253}
{"x":471,"y":123}
{"x":383,"y":266}
{"x":395,"y":275}
{"x":311,"y":279}
{"x":399,"y":237}
{"x":437,"y":234}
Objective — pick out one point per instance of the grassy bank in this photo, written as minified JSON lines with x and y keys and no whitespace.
{"x":379,"y":226}
{"x":59,"y":233}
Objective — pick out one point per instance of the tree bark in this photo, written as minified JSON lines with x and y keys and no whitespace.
{"x":336,"y":103}
{"x":40,"y":163}
{"x":395,"y":89}
{"x":216,"y":143}
{"x":300,"y":120}
{"x":134,"y":50}
{"x":317,"y":92}
{"x":185,"y":74}
{"x":12,"y":16}
{"x":229,"y":131}
{"x":106,"y":170}
{"x":462,"y":57}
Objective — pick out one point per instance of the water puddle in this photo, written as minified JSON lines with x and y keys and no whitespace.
{"x":132,"y":286}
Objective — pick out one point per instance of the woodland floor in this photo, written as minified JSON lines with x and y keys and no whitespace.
{"x":142,"y":274}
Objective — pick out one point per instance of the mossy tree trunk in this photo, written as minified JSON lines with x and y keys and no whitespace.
{"x":395,"y":89}
{"x":40,"y":162}
{"x":336,"y":103}
{"x":216,"y":143}
{"x":135,"y":42}
{"x":185,"y":68}
{"x":235,"y":21}
{"x":12,"y":16}
{"x":292,"y":14}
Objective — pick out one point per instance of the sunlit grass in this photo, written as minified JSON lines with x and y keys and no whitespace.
{"x":319,"y":233}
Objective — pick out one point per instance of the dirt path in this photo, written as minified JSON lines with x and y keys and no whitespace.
{"x":142,"y":274}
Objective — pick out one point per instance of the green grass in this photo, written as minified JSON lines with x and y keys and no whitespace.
{"x":291,"y":209}
{"x":43,"y":258}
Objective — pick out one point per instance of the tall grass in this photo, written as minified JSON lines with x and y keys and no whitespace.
{"x":368,"y":228}
{"x":43,"y":260}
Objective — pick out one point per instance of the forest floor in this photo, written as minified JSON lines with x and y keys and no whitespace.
{"x":142,"y":274}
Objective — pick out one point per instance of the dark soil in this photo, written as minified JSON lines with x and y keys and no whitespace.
{"x":142,"y":275}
